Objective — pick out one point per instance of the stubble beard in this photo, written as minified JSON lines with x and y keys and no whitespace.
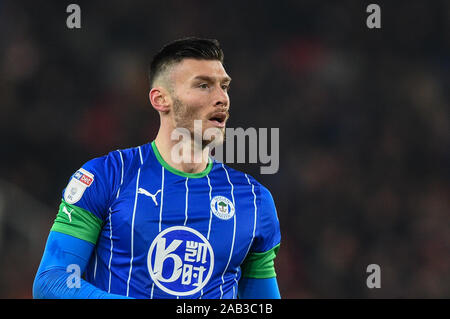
{"x":184,"y":118}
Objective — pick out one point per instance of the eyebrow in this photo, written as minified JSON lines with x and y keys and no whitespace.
{"x":211,"y":79}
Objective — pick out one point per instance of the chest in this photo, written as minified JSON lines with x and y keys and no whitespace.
{"x":207,"y":212}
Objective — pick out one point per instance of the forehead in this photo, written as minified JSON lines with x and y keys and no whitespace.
{"x":189,"y":69}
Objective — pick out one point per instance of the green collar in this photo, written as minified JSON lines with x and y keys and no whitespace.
{"x":178,"y":172}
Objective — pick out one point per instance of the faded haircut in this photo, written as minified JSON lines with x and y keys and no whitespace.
{"x":174,"y":52}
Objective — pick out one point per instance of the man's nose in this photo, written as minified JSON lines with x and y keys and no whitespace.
{"x":221,"y":98}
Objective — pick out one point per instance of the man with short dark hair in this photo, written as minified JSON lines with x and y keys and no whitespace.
{"x":165,"y":220}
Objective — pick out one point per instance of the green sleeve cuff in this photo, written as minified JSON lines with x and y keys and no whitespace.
{"x":77,"y":222}
{"x":260,"y":265}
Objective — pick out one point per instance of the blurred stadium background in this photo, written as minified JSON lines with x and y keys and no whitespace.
{"x":363,"y":117}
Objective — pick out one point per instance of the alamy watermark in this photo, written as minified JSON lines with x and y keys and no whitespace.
{"x":237,"y":142}
{"x":73,"y":20}
{"x":74,"y":279}
{"x":373,"y":20}
{"x":374,"y":279}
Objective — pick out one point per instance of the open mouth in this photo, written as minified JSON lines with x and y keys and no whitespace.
{"x":218,"y":119}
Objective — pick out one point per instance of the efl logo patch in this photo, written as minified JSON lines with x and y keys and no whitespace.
{"x":180,"y":261}
{"x":84,"y":176}
{"x":222,"y":207}
{"x":81,"y":180}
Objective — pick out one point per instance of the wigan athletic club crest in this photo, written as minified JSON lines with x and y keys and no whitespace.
{"x":222,"y":207}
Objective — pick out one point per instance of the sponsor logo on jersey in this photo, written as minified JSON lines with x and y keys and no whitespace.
{"x":222,"y":207}
{"x":180,"y":261}
{"x":81,"y":180}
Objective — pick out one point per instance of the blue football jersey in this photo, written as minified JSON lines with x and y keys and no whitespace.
{"x":162,"y":233}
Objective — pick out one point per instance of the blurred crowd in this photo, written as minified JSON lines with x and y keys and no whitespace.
{"x":363,"y":117}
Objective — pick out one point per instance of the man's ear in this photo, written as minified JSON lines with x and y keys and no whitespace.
{"x":160,"y":99}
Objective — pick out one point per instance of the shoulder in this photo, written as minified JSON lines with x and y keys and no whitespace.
{"x":132,"y":155}
{"x":126,"y":158}
{"x":99,"y":179}
{"x":116,"y":165}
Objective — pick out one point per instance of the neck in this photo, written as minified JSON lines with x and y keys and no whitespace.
{"x":184,"y":155}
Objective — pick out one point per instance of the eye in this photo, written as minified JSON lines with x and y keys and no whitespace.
{"x":225,"y":87}
{"x":204,"y":85}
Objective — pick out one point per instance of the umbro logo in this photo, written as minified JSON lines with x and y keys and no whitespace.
{"x":147,"y":193}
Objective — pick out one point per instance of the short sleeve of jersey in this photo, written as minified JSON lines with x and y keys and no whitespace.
{"x":88,"y":196}
{"x":259,"y":263}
